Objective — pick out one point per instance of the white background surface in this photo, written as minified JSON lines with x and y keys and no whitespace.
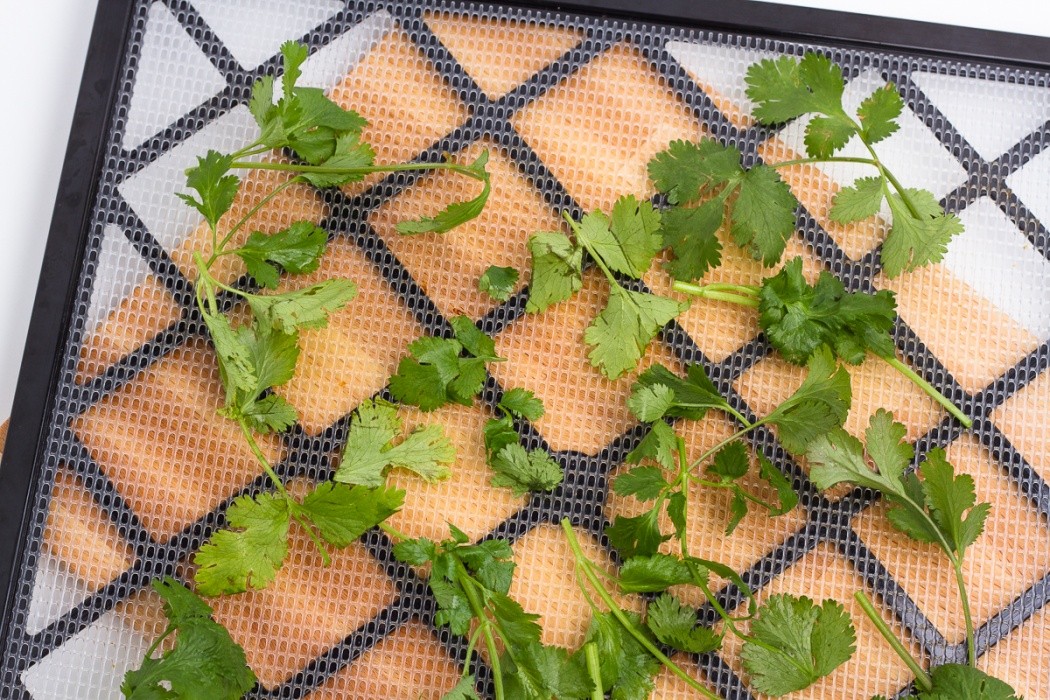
{"x":46,"y":42}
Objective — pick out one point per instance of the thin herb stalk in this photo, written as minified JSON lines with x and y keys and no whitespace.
{"x":921,"y":677}
{"x":594,"y":670}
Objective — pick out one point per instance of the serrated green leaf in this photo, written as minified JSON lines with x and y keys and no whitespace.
{"x":674,"y":624}
{"x":691,"y":234}
{"x":636,"y":536}
{"x":650,"y":403}
{"x":763,"y":216}
{"x":250,"y":551}
{"x":463,"y":690}
{"x":522,"y":403}
{"x":658,"y":445}
{"x":270,"y":414}
{"x":557,"y":265}
{"x":818,"y":406}
{"x":916,"y":241}
{"x":498,"y":282}
{"x":204,"y":664}
{"x":522,"y":471}
{"x":786,"y":496}
{"x":826,"y":135}
{"x":879,"y":112}
{"x":952,"y":501}
{"x":644,"y":483}
{"x":685,"y":168}
{"x":959,"y":682}
{"x":456,"y":213}
{"x":343,"y":513}
{"x":859,"y":201}
{"x":731,"y":462}
{"x":800,"y":643}
{"x":306,"y":308}
{"x":216,"y":187}
{"x":350,"y":156}
{"x":694,"y":395}
{"x":623,"y":330}
{"x":652,"y":574}
{"x":785,"y":88}
{"x":297,"y":249}
{"x":415,"y":552}
{"x":498,"y":433}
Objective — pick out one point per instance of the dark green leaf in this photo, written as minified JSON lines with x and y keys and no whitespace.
{"x":691,"y":234}
{"x":674,"y":624}
{"x":644,"y":483}
{"x":878,"y":113}
{"x":652,"y":574}
{"x":523,"y":471}
{"x":763,"y":217}
{"x":522,"y":403}
{"x":216,"y":188}
{"x":498,"y":282}
{"x":636,"y":536}
{"x":623,"y":330}
{"x":556,"y":270}
{"x":959,"y":682}
{"x":650,"y":403}
{"x":342,"y":513}
{"x":456,"y":213}
{"x":685,"y":168}
{"x":914,"y":241}
{"x":819,"y":405}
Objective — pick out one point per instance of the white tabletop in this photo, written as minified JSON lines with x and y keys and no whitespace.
{"x":42,"y":90}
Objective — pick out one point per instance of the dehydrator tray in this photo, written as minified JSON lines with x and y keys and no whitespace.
{"x":117,"y":465}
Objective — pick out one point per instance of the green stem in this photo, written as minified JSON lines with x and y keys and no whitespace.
{"x":476,"y":607}
{"x":964,"y":598}
{"x":257,"y":451}
{"x":159,"y":640}
{"x":584,"y":565}
{"x":590,"y":251}
{"x":731,"y":486}
{"x":217,"y":249}
{"x":835,"y":159}
{"x":930,"y":390}
{"x":708,"y":292}
{"x":393,"y":532}
{"x":471,"y":644}
{"x":362,"y":170}
{"x":594,"y":669}
{"x":748,"y":427}
{"x":922,"y":678}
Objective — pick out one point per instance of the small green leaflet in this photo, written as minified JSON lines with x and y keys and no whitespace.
{"x":436,"y":374}
{"x":557,"y":265}
{"x":785,"y":88}
{"x":638,"y":535}
{"x":297,"y":249}
{"x":879,"y":113}
{"x":800,"y":643}
{"x":306,"y":308}
{"x":498,"y":282}
{"x":533,"y":671}
{"x":674,"y":624}
{"x":522,"y":471}
{"x":522,"y":403}
{"x":959,"y":682}
{"x":818,"y":406}
{"x":858,"y":201}
{"x":731,"y":464}
{"x":205,"y":661}
{"x":942,"y":508}
{"x":694,"y":394}
{"x":216,"y":188}
{"x":798,"y":318}
{"x":650,"y":403}
{"x":653,"y":574}
{"x":249,"y":552}
{"x":628,"y":241}
{"x":458,"y":212}
{"x":761,"y":206}
{"x":625,"y":327}
{"x":644,"y":483}
{"x":918,"y":238}
{"x":370,"y":450}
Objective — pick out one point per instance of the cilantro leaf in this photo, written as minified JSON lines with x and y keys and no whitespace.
{"x":859,"y":201}
{"x":786,"y":495}
{"x":498,"y":282}
{"x":731,"y":462}
{"x":798,"y":318}
{"x":819,"y":405}
{"x":674,"y":624}
{"x":205,"y":661}
{"x":653,"y":574}
{"x":248,"y":553}
{"x":370,"y":450}
{"x":952,"y":501}
{"x":522,"y":403}
{"x":303,"y":308}
{"x":686,"y":169}
{"x":691,"y":234}
{"x":455,"y":213}
{"x":826,"y":135}
{"x":914,"y":241}
{"x":637,"y":536}
{"x":538,"y":672}
{"x":342,"y":513}
{"x":693,"y":396}
{"x":269,"y":414}
{"x":650,"y":403}
{"x":878,"y":113}
{"x":959,"y":682}
{"x":498,"y":433}
{"x":625,"y":327}
{"x":658,"y":445}
{"x":644,"y":483}
{"x":271,"y":355}
{"x":216,"y":188}
{"x":436,"y":374}
{"x":785,"y":88}
{"x":796,"y":643}
{"x":349,"y":157}
{"x":763,"y":216}
{"x":628,"y":241}
{"x":234,"y":356}
{"x":557,"y":265}
{"x":523,"y":471}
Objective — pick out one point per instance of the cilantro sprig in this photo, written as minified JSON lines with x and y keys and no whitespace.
{"x":940,"y":509}
{"x":706,"y":184}
{"x":799,"y":318}
{"x":204,"y":662}
{"x":516,"y":468}
{"x":624,"y":243}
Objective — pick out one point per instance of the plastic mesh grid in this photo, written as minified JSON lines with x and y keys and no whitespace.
{"x":138,"y":468}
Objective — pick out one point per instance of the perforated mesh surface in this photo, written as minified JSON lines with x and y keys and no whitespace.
{"x":139,"y":468}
